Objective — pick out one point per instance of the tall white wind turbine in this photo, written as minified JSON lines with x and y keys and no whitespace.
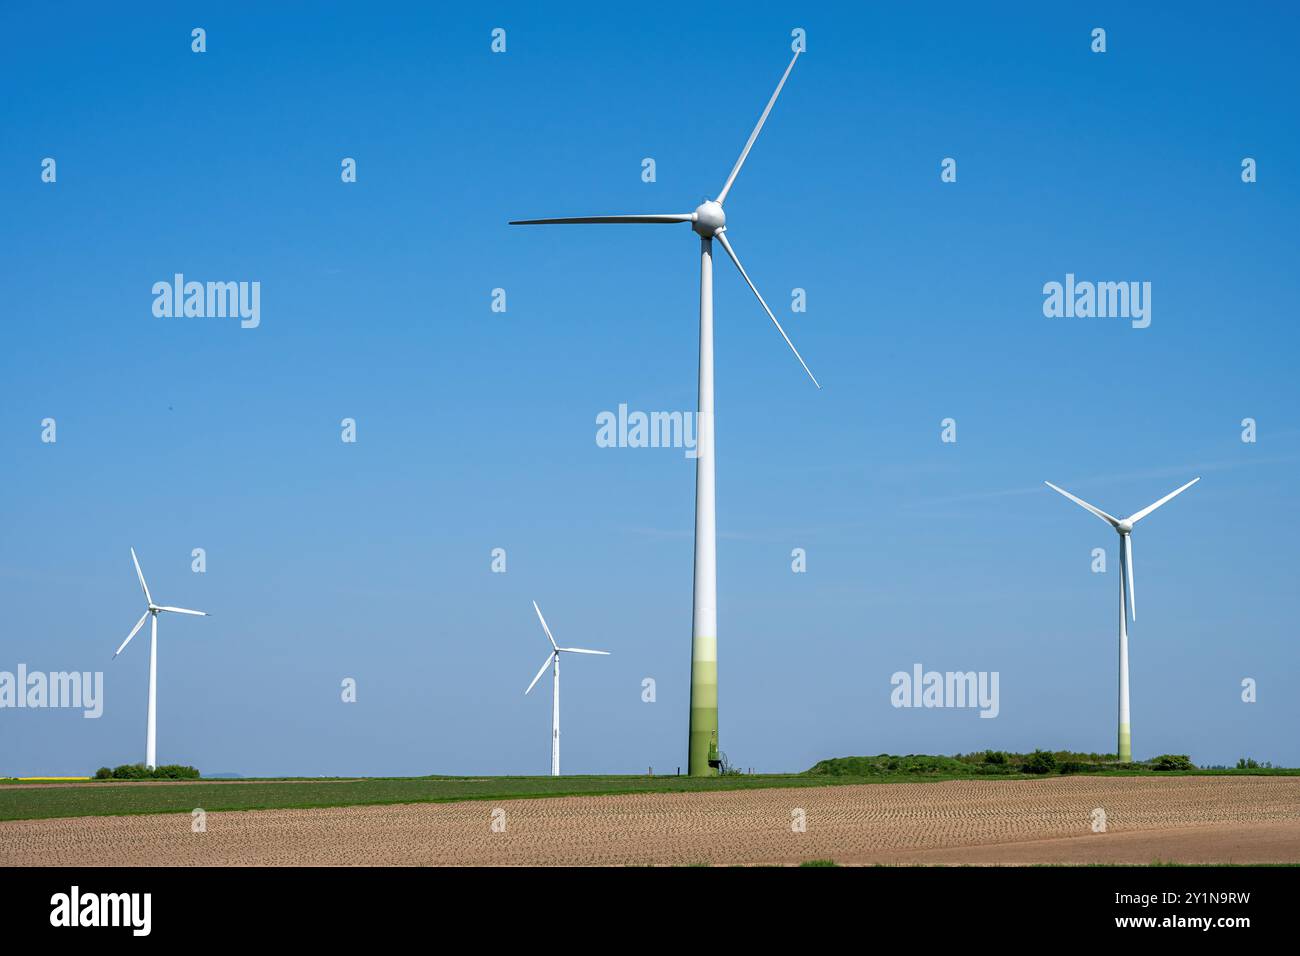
{"x":709,"y":222}
{"x":553,"y":661}
{"x":151,"y":612}
{"x":1125,"y":528}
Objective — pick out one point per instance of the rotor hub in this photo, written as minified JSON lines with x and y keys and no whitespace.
{"x":709,"y":218}
{"x":1125,"y":527}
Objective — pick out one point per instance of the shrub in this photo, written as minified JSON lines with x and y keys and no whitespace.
{"x":1247,"y":763}
{"x":995,"y":756}
{"x":176,"y":771}
{"x":1040,"y":761}
{"x":103,"y":773}
{"x":1173,"y":762}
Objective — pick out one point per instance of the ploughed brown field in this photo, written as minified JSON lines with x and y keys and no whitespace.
{"x":1225,"y":819}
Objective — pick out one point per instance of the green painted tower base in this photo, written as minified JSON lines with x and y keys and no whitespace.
{"x":702,"y":757}
{"x":1125,"y":744}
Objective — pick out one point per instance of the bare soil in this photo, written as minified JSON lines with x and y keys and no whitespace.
{"x":1179,"y":819}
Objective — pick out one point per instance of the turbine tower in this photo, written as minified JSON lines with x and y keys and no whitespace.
{"x":151,"y":612}
{"x":709,"y":222}
{"x":553,"y":661}
{"x":1125,"y":528}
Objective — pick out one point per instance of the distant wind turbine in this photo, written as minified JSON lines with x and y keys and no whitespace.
{"x":1125,"y":528}
{"x":152,"y":613}
{"x":709,"y":222}
{"x":553,"y":661}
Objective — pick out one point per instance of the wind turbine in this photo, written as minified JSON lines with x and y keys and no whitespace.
{"x":151,"y":612}
{"x":709,"y":222}
{"x":553,"y":661}
{"x":1125,"y":528}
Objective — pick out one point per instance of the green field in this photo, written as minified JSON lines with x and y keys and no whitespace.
{"x":39,"y":801}
{"x":36,"y":801}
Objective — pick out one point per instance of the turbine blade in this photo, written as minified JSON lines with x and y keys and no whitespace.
{"x":138,"y":624}
{"x":1128,"y":563}
{"x":184,"y":610}
{"x":744,"y":153}
{"x":581,"y":650}
{"x":1150,"y":508}
{"x":544,"y":627}
{"x":140,"y":574}
{"x":736,"y":259}
{"x":1113,"y":522}
{"x":658,"y":217}
{"x":545,"y":665}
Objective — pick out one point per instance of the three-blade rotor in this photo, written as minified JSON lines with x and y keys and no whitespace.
{"x":1124,"y":526}
{"x":151,"y":608}
{"x":708,"y":220}
{"x":556,"y":650}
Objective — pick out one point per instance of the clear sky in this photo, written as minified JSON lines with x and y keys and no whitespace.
{"x":476,"y":429}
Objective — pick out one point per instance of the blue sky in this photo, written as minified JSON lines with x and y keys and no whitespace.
{"x":476,"y":429}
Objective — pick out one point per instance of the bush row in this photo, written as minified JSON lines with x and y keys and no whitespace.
{"x":138,"y":771}
{"x":993,"y":762}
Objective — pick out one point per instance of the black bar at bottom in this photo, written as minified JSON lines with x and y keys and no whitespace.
{"x":369,"y":905}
